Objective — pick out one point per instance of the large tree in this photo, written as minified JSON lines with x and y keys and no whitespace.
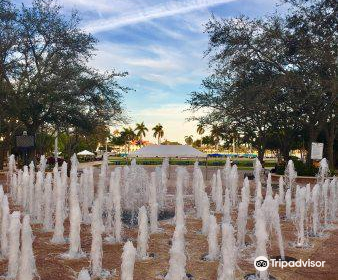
{"x":45,"y":73}
{"x":274,"y":76}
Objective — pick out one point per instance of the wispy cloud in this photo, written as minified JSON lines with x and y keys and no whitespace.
{"x":170,"y":8}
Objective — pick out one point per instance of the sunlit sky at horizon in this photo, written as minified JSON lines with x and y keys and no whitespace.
{"x":160,"y":43}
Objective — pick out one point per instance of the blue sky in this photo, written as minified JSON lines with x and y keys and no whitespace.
{"x":160,"y":43}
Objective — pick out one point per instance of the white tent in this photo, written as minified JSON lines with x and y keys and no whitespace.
{"x":85,"y":153}
{"x":168,"y":151}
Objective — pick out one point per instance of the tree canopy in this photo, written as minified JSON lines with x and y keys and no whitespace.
{"x":273,"y":78}
{"x":45,"y":80}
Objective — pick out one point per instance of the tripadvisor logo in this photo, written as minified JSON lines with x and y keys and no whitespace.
{"x":262,"y":263}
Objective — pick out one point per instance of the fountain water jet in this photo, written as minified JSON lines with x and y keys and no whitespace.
{"x":128,"y":261}
{"x":97,"y":229}
{"x":227,"y":265}
{"x":213,"y":239}
{"x":4,"y":227}
{"x":48,"y":212}
{"x":143,"y":234}
{"x":14,"y":245}
{"x":27,"y":268}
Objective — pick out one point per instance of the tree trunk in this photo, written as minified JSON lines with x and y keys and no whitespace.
{"x":261,"y":152}
{"x":330,"y":133}
{"x":2,"y":156}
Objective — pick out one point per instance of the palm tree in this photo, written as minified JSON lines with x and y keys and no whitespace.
{"x":188,"y":140}
{"x":158,"y":132}
{"x":200,"y":129}
{"x":216,"y":134}
{"x":141,"y":130}
{"x":128,"y":135}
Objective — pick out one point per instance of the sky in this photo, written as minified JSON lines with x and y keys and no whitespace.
{"x":160,"y":43}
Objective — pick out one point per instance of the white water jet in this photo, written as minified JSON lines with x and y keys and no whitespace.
{"x":227,"y":264}
{"x":213,"y":239}
{"x":281,"y":190}
{"x":128,"y":261}
{"x":59,"y":213}
{"x":226,"y":173}
{"x":241,"y":223}
{"x":109,"y":223}
{"x":4,"y":227}
{"x":43,"y":164}
{"x":257,"y":170}
{"x":83,"y":274}
{"x":91,"y":193}
{"x":19,"y":193}
{"x":333,"y":199}
{"x":143,"y":234}
{"x":288,"y":203}
{"x":234,"y":185}
{"x":14,"y":245}
{"x":48,"y":212}
{"x":14,"y":187}
{"x":261,"y":239}
{"x":178,"y":259}
{"x":25,"y":187}
{"x":116,"y":191}
{"x":226,"y":207}
{"x":198,"y":188}
{"x":323,"y":172}
{"x":75,"y":250}
{"x":269,"y":186}
{"x":315,"y":210}
{"x":11,"y":167}
{"x":270,"y":207}
{"x":290,"y":175}
{"x":97,"y":229}
{"x":38,"y":199}
{"x":179,"y":206}
{"x":245,"y":191}
{"x":219,"y":192}
{"x":300,"y":216}
{"x":213,"y":187}
{"x":85,"y":197}
{"x":205,"y":213}
{"x":31,"y":202}
{"x":325,"y":189}
{"x":27,"y":268}
{"x":153,"y":205}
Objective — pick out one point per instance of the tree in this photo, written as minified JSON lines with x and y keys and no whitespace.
{"x":273,"y":77}
{"x":189,"y":140}
{"x":141,"y":130}
{"x":158,"y":132}
{"x":48,"y":80}
{"x":127,"y":135}
{"x":200,"y":129}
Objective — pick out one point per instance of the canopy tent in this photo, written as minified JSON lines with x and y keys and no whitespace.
{"x":85,"y":153}
{"x":168,"y":151}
